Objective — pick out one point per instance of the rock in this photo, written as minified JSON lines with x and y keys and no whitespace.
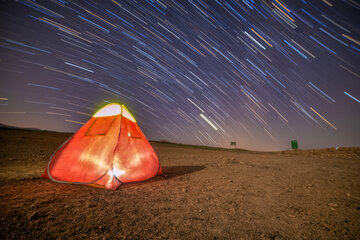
{"x":332,"y":209}
{"x":183,"y":190}
{"x":333,"y":205}
{"x":348,"y":194}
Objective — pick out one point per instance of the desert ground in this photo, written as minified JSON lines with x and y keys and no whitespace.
{"x":204,"y":193}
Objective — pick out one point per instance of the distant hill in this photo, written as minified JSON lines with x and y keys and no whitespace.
{"x":13,"y":127}
{"x":301,"y":152}
{"x":165,"y":142}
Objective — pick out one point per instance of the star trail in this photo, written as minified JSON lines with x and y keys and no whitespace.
{"x":260,"y":73}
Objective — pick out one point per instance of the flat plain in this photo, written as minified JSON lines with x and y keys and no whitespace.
{"x":204,"y":193}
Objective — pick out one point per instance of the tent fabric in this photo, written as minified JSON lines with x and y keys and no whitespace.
{"x":108,"y":150}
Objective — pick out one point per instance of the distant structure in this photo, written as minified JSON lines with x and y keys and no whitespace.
{"x":232,"y":144}
{"x":294,"y":144}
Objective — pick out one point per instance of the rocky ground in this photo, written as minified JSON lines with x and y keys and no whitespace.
{"x":204,"y":194}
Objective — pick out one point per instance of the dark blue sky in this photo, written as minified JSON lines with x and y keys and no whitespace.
{"x":200,"y":72}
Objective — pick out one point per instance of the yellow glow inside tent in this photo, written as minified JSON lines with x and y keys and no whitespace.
{"x":109,"y":110}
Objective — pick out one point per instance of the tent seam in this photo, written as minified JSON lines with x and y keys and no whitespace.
{"x":121,"y":122}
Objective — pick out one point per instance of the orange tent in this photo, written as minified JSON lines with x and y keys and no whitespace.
{"x":108,"y":150}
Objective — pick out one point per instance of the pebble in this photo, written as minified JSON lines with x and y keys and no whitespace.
{"x":333,"y":205}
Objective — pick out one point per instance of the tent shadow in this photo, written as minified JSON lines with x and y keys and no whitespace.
{"x":175,"y":171}
{"x":168,"y":173}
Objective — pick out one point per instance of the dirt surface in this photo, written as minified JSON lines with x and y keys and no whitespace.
{"x":203,"y":194}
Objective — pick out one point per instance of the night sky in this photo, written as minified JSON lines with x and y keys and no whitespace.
{"x":260,"y":73}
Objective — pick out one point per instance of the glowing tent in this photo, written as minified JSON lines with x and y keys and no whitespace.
{"x":108,"y":150}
